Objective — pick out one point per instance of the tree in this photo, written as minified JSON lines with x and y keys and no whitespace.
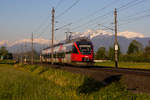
{"x":101,"y":53}
{"x":135,"y":47}
{"x":111,"y":53}
{"x":3,"y":52}
{"x":147,"y":50}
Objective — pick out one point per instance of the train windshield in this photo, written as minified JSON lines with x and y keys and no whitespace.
{"x":85,"y":49}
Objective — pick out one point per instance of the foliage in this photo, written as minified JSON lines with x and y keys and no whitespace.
{"x":101,"y":53}
{"x":3,"y":51}
{"x":111,"y":53}
{"x":136,"y":53}
{"x":5,"y":54}
{"x":134,"y":58}
{"x":135,"y":47}
{"x":147,"y":51}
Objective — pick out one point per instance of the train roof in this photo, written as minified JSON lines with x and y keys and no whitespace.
{"x":69,"y":41}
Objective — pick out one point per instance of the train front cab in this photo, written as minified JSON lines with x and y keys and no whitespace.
{"x":82,"y":53}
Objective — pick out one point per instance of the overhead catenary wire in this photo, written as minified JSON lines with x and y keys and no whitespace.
{"x":131,"y":4}
{"x":127,"y":4}
{"x":135,"y":14}
{"x":136,"y":19}
{"x":43,"y":31}
{"x":93,"y":13}
{"x":58,"y":4}
{"x":40,"y":26}
{"x":106,"y":14}
{"x":69,"y":8}
{"x":92,"y":20}
{"x":62,"y":27}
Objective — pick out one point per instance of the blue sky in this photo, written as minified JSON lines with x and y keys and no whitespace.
{"x":19,"y":18}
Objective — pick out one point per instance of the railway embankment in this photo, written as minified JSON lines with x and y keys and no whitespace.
{"x":53,"y":83}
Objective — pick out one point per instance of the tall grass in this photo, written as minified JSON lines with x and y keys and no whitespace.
{"x":31,"y":82}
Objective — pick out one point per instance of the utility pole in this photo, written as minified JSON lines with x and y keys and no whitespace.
{"x":66,"y":36}
{"x":53,"y":12}
{"x":25,"y":53}
{"x":116,"y":42}
{"x":21,"y":49}
{"x":32,"y":49}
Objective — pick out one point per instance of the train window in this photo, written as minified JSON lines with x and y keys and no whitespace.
{"x":74,"y":50}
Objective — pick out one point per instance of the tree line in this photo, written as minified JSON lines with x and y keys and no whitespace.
{"x":135,"y":53}
{"x":4,"y":54}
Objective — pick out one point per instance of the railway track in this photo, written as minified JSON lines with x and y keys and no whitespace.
{"x":129,"y":71}
{"x":143,"y":72}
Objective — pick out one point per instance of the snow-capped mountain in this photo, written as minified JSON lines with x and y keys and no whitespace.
{"x":100,"y":38}
{"x":25,"y":44}
{"x":94,"y":33}
{"x":4,"y":43}
{"x":128,"y":34}
{"x":12,"y":43}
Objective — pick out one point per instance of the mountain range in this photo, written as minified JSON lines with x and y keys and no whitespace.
{"x":99,"y":38}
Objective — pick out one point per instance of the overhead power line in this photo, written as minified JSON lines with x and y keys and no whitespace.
{"x":135,"y":2}
{"x":94,"y":13}
{"x":131,"y":4}
{"x":135,"y":19}
{"x":59,"y":3}
{"x":43,"y":31}
{"x":92,"y":20}
{"x":127,"y":4}
{"x":136,"y":13}
{"x":69,"y":8}
{"x":62,"y":26}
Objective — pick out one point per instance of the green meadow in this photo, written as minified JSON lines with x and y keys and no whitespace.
{"x":137,"y":65}
{"x":32,"y":82}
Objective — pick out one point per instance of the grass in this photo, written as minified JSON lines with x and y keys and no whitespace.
{"x":125,"y":64}
{"x":7,"y":61}
{"x":31,"y":82}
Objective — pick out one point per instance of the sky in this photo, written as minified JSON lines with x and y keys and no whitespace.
{"x":19,"y":18}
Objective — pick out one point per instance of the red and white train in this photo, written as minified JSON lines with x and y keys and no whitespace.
{"x":74,"y":52}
